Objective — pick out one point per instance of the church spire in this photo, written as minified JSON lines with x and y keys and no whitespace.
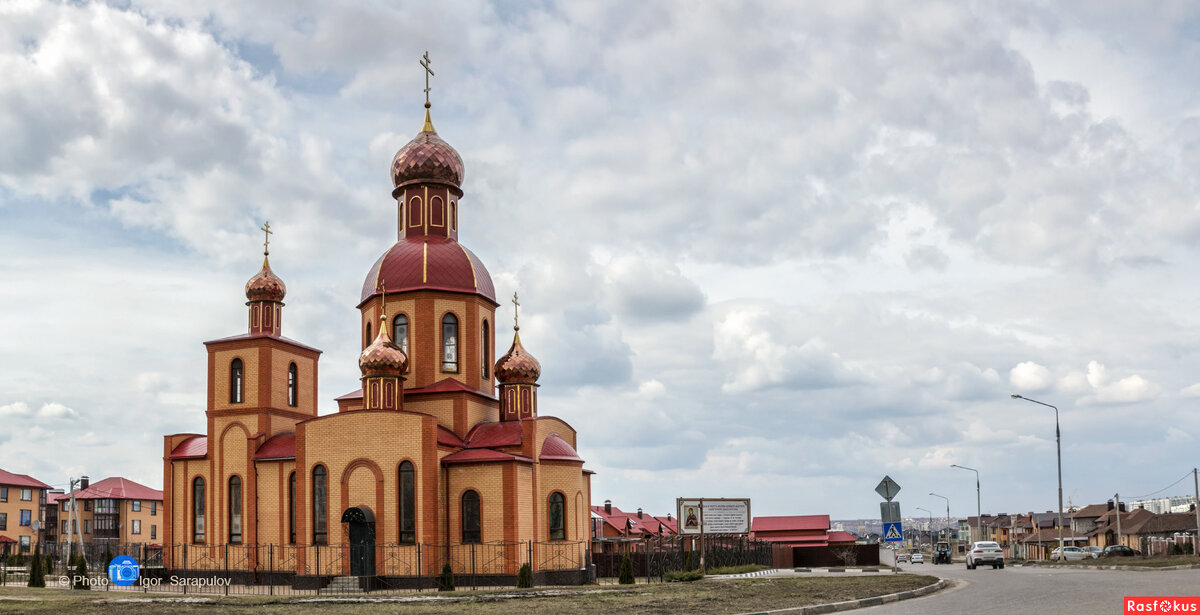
{"x":517,"y":371}
{"x":264,"y":294}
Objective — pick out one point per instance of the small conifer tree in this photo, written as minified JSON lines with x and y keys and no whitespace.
{"x":80,"y":573}
{"x":626,"y":577}
{"x":525,"y":576}
{"x":36,"y":579}
{"x":446,"y":579}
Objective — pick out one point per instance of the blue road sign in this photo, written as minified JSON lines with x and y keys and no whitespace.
{"x":892,"y":532}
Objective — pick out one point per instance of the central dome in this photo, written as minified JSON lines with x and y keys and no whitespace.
{"x":427,"y":158}
{"x":430,"y":263}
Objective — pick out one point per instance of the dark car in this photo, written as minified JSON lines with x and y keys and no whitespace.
{"x":1119,"y":551}
{"x":941,"y":553}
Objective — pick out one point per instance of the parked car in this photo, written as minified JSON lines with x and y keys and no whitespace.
{"x":1070,"y":554}
{"x":917,"y":557}
{"x":985,"y":552}
{"x":1119,"y":551}
{"x":901,"y":557}
{"x":1093,"y":551}
{"x":941,"y":553}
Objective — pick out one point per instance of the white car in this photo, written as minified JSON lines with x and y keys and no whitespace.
{"x":901,"y":558}
{"x":1070,"y":554}
{"x":917,"y":558}
{"x":985,"y":552}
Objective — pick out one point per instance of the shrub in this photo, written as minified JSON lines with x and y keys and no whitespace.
{"x":80,"y":573}
{"x":48,"y":565}
{"x":689,"y":562}
{"x":626,"y":577}
{"x":36,"y":579}
{"x":525,"y":576}
{"x":683,"y":577}
{"x":446,"y":579}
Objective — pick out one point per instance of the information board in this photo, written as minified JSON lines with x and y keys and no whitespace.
{"x":713,"y":515}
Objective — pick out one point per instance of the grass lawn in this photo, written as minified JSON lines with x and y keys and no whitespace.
{"x":1138,"y":560}
{"x":708,"y":596}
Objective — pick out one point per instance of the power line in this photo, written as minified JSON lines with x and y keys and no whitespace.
{"x":1164,"y":488}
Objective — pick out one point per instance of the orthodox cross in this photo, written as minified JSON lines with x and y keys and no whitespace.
{"x":266,"y":229}
{"x":383,"y":308}
{"x":428,"y":72}
{"x":516,"y":315}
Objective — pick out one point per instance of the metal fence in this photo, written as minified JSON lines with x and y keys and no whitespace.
{"x":652,"y":559}
{"x":238,"y":569}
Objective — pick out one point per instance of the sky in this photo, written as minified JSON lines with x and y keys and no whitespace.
{"x":766,"y":250}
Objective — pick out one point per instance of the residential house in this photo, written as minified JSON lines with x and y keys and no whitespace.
{"x":613,"y":528}
{"x":21,"y":500}
{"x":115,"y":510}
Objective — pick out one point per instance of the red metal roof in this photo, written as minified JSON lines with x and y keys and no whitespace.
{"x":434,"y":263}
{"x":792,"y":523}
{"x":120,"y":489}
{"x":4,"y":538}
{"x":555,"y":448}
{"x":446,"y":437}
{"x":492,"y":435}
{"x":53,"y":498}
{"x":247,"y":336}
{"x":195,"y":447}
{"x":279,"y":446}
{"x":839,"y":536}
{"x":481,"y":455}
{"x":21,"y":480}
{"x":445,"y":385}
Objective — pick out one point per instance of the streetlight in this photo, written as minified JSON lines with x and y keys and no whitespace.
{"x":978,"y":509}
{"x":947,"y":508}
{"x":1058,"y":441}
{"x":930,"y":528}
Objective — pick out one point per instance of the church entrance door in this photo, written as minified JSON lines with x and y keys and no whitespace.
{"x":360,"y":529}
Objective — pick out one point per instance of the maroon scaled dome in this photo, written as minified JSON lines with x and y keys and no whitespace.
{"x":382,"y":357}
{"x":265,"y":285}
{"x":427,"y":158}
{"x":430,"y":263}
{"x":517,"y":365}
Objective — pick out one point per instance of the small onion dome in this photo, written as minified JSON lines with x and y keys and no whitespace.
{"x":265,"y":285}
{"x":517,"y":365}
{"x":427,"y":158}
{"x":382,"y":357}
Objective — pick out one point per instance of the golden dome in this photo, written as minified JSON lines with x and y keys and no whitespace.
{"x":382,"y":357}
{"x":517,"y":365}
{"x":265,"y":285}
{"x":427,"y":158}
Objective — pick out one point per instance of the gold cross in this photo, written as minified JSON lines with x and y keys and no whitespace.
{"x":428,"y":72}
{"x":516,"y":313}
{"x":266,"y":229}
{"x":383,"y":309}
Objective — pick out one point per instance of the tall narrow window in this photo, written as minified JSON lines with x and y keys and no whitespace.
{"x":449,"y":343}
{"x":198,"y":510}
{"x":558,"y":515}
{"x":367,"y":340}
{"x":319,"y":506}
{"x":235,"y":510}
{"x":292,"y":508}
{"x":292,"y":385}
{"x":486,"y":345}
{"x":400,"y":332}
{"x":237,"y":381}
{"x":408,"y":503}
{"x":470,"y":517}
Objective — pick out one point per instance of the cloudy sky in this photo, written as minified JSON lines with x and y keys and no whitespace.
{"x":767,"y":250}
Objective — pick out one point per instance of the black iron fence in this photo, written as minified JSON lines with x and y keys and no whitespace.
{"x":316,"y":569}
{"x":652,"y":559}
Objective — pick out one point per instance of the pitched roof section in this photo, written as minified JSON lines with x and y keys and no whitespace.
{"x":445,"y":437}
{"x":493,"y":435}
{"x":21,"y":480}
{"x":279,"y":446}
{"x":788,"y":524}
{"x":840,"y":536}
{"x":120,"y":489}
{"x":554,"y":448}
{"x":481,"y":455}
{"x":247,"y":336}
{"x":1091,"y":511}
{"x":195,"y":447}
{"x":445,"y":385}
{"x":428,"y":263}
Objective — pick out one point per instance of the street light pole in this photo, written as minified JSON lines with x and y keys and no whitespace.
{"x":947,"y":508}
{"x":930,"y":528}
{"x":1058,"y":442}
{"x":978,"y":508}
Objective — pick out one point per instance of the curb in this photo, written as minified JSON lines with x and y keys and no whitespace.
{"x":1135,"y":568}
{"x":848,"y":605}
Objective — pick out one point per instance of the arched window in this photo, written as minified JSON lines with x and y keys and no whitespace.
{"x":408,"y":503}
{"x":235,"y":510}
{"x":198,"y":510}
{"x":320,"y":506}
{"x":367,"y":340}
{"x":237,"y":381}
{"x":292,"y":385}
{"x":486,"y":347}
{"x":558,"y":516}
{"x":400,"y":332}
{"x":449,"y":343}
{"x":292,"y":508}
{"x":470,"y":518}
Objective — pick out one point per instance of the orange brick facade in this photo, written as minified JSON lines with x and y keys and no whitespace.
{"x":262,"y":426}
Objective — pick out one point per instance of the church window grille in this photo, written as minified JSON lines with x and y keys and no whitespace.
{"x":470,"y":518}
{"x":198,"y":510}
{"x":292,"y":508}
{"x":235,"y":510}
{"x":320,"y":506}
{"x":558,"y":515}
{"x":408,"y":503}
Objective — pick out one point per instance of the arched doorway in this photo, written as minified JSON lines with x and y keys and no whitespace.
{"x":360,"y":529}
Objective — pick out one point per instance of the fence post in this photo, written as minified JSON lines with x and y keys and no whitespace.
{"x":420,"y":570}
{"x":318,"y":549}
{"x":227,"y":568}
{"x":271,"y":569}
{"x":472,"y":565}
{"x":185,"y":564}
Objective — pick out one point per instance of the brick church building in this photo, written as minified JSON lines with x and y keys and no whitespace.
{"x":441,"y":455}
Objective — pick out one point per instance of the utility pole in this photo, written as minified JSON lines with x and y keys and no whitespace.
{"x":73,"y":525}
{"x":1117,"y":498}
{"x":1196,"y":535}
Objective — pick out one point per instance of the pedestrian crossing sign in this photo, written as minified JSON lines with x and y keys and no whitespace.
{"x":892,"y":532}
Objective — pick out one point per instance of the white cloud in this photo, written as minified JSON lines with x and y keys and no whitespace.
{"x":757,"y":354}
{"x":1029,"y":376}
{"x":54,"y":410}
{"x":19,"y":408}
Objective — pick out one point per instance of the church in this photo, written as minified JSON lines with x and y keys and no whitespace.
{"x":441,"y":456}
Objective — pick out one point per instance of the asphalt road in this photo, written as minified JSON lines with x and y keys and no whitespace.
{"x":1019,"y":590}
